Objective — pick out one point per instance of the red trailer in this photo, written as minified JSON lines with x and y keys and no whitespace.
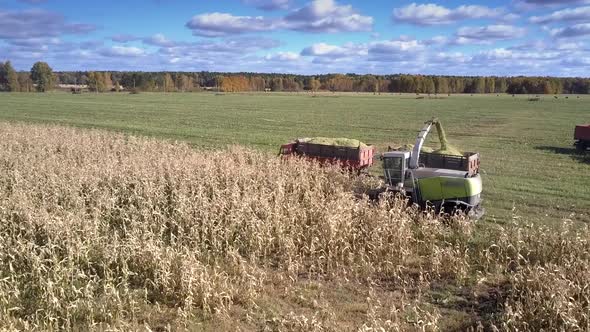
{"x":353,"y":158}
{"x":582,"y":137}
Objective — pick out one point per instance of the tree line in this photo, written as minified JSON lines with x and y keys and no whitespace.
{"x":42,"y":78}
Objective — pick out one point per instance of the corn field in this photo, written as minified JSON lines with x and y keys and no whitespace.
{"x":101,"y":231}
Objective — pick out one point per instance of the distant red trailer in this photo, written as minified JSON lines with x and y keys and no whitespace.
{"x":582,"y":137}
{"x":353,"y":158}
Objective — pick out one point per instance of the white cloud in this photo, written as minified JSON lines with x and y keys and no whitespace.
{"x":316,"y":16}
{"x":37,"y":23}
{"x":432,"y":56}
{"x":446,"y":58}
{"x":554,"y":2}
{"x":580,"y":14}
{"x":498,"y":53}
{"x":502,"y":54}
{"x":159,"y":40}
{"x":437,"y":40}
{"x":356,"y":55}
{"x":328,"y":16}
{"x":36,"y":43}
{"x":333,"y":51}
{"x":488,"y":33}
{"x":538,"y":5}
{"x":578,"y":30}
{"x":123,"y":51}
{"x":432,"y":14}
{"x":405,"y":54}
{"x":220,"y":49}
{"x":401,"y":50}
{"x":319,"y":9}
{"x":323,"y":49}
{"x":396,"y":46}
{"x":283,"y":56}
{"x":269,"y":4}
{"x":223,"y":24}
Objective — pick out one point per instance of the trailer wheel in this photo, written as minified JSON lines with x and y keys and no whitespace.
{"x":581,"y":146}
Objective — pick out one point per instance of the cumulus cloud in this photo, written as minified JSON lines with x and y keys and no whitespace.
{"x":327,"y":16}
{"x":241,"y":44}
{"x":403,"y":50}
{"x":218,"y":50}
{"x":283,"y":56}
{"x":570,"y":62}
{"x":410,"y":55}
{"x":52,"y":49}
{"x":488,"y":33}
{"x":316,"y":16}
{"x":123,"y":51}
{"x":228,"y":54}
{"x":520,"y":62}
{"x":38,"y":23}
{"x":324,"y":49}
{"x":432,"y":14}
{"x":503,"y":55}
{"x":580,"y":14}
{"x":405,"y":54}
{"x":553,"y":45}
{"x":530,"y":5}
{"x":578,"y":30}
{"x":437,"y":40}
{"x":395,"y":46}
{"x":159,"y":40}
{"x":36,"y":43}
{"x":223,"y":24}
{"x":554,"y":2}
{"x":449,"y":58}
{"x":269,"y":4}
{"x":376,"y":51}
{"x":498,"y":54}
{"x":334,"y":51}
{"x":28,"y":36}
{"x":237,"y":54}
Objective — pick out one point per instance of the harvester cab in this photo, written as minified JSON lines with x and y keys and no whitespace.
{"x":395,"y":165}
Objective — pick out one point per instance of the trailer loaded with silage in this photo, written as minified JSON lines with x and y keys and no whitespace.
{"x":349,"y":153}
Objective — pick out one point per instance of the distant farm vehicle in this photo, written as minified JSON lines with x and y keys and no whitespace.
{"x":582,"y":137}
{"x":355,"y":158}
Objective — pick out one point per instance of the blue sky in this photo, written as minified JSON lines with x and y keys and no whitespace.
{"x":515,"y":37}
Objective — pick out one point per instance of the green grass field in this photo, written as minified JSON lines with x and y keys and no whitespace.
{"x":530,"y":169}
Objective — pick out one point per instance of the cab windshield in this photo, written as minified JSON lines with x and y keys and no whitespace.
{"x":393,"y":167}
{"x":392,"y":163}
